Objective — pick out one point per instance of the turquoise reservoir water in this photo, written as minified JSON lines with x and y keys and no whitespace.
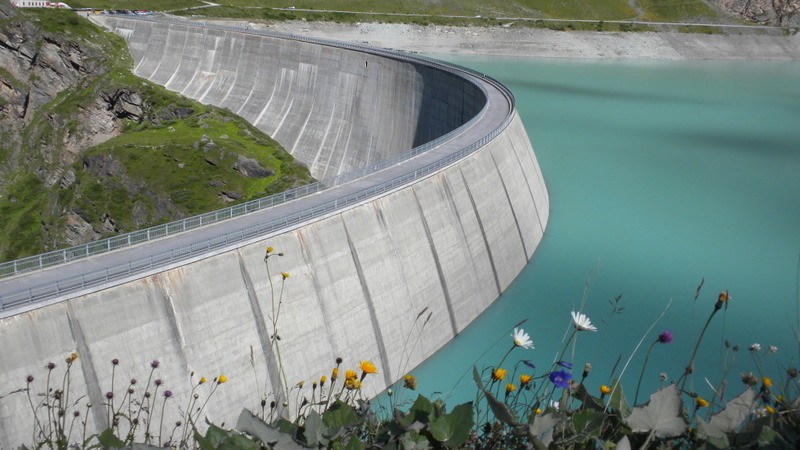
{"x":661,"y":174}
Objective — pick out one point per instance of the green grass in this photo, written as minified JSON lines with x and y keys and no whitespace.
{"x":678,"y":11}
{"x":150,"y":5}
{"x":21,"y":216}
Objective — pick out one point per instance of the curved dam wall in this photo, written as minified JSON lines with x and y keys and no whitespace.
{"x":390,"y":280}
{"x":332,"y":108}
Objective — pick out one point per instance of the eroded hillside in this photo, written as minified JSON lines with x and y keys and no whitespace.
{"x":88,"y":150}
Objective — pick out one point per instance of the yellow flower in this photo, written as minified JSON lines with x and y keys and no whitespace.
{"x":202,"y":380}
{"x":73,"y":356}
{"x":499,"y":374}
{"x":770,"y":409}
{"x":524,"y":379}
{"x":779,"y":398}
{"x":368,"y":367}
{"x":350,"y":375}
{"x":605,"y":390}
{"x":410,"y":382}
{"x":322,"y":380}
{"x":284,"y":275}
{"x":334,"y":373}
{"x":723,"y":296}
{"x":767,"y":381}
{"x":222,"y":379}
{"x":270,"y":249}
{"x":352,"y":384}
{"x":510,"y":388}
{"x":700,"y":402}
{"x":301,"y":384}
{"x":538,"y":411}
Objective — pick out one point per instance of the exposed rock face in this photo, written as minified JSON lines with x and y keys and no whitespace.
{"x":772,"y":12}
{"x":251,"y":168}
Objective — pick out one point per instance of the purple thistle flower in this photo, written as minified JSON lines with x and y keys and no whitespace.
{"x":565,"y":364}
{"x":154,"y":364}
{"x":109,"y":395}
{"x":167,"y":394}
{"x":158,"y":382}
{"x":665,"y":337}
{"x":133,"y":380}
{"x":528,"y":363}
{"x":30,"y":379}
{"x":115,"y":361}
{"x":560,"y":378}
{"x":51,"y":365}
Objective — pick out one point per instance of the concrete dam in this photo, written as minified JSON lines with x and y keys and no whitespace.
{"x":431,"y":202}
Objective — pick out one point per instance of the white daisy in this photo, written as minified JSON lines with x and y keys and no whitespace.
{"x":772,"y":349}
{"x":755,"y":347}
{"x":581,"y":322}
{"x":521,"y":338}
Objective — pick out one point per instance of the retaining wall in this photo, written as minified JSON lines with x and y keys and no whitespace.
{"x":445,"y":246}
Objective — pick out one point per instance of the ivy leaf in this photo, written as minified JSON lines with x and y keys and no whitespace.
{"x":544,"y":423}
{"x":252,"y":424}
{"x":339,"y":415}
{"x":454,"y":428}
{"x":662,"y":415}
{"x":109,"y":440}
{"x":313,"y":430}
{"x":413,"y":441}
{"x":736,"y":410}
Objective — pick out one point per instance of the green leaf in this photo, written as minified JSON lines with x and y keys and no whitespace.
{"x":500,"y":410}
{"x":588,"y":422}
{"x":238,"y":441}
{"x":544,"y":423}
{"x":736,"y":410}
{"x":215,"y":435}
{"x":339,"y":415}
{"x":355,"y":444}
{"x":109,"y":440}
{"x":313,"y":430}
{"x":420,"y":411}
{"x":579,"y":392}
{"x":618,"y":400}
{"x":769,"y":438}
{"x":411,"y":440}
{"x":663,"y":414}
{"x":252,"y":424}
{"x":454,"y":428}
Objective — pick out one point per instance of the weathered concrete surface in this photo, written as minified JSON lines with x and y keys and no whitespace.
{"x":445,"y":246}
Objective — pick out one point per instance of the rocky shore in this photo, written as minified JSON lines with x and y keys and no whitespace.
{"x":538,"y":42}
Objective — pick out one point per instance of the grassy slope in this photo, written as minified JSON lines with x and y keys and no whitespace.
{"x":165,"y":173}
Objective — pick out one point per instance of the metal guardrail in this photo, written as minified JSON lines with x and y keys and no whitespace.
{"x":34,"y":293}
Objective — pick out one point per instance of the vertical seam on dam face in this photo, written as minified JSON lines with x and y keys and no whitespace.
{"x":261,"y":329}
{"x":309,"y":262}
{"x":530,"y":191}
{"x":87,"y":366}
{"x":370,"y":307}
{"x":483,"y":232}
{"x":169,"y":309}
{"x":510,"y":206}
{"x":439,"y":271}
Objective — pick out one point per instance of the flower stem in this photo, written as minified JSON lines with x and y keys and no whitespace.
{"x":641,"y":375}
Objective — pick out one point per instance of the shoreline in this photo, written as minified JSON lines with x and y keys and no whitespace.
{"x":545,"y":43}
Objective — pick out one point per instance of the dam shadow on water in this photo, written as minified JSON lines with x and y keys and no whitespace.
{"x":661,"y":174}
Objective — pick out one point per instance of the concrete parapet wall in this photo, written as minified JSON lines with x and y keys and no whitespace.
{"x":445,"y":246}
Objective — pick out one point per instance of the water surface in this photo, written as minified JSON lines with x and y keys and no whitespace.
{"x":660,"y":174}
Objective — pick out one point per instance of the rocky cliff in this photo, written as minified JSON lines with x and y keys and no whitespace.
{"x":87,"y":149}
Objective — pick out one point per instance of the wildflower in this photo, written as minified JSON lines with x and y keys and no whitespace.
{"x":779,"y":398}
{"x":167,"y":394}
{"x":510,"y":388}
{"x":770,"y":409}
{"x":148,"y":394}
{"x":522,"y":339}
{"x":314,"y":386}
{"x":749,"y":379}
{"x":222,"y":379}
{"x":538,"y":411}
{"x":76,"y":413}
{"x":499,"y":374}
{"x":115,"y":361}
{"x":665,"y":337}
{"x":284,"y":275}
{"x":73,"y":356}
{"x":756,"y":347}
{"x":565,"y":364}
{"x":586,"y":369}
{"x":270,"y":249}
{"x":133,"y":380}
{"x":158,"y":382}
{"x":29,"y":379}
{"x":334,"y":374}
{"x":554,"y":404}
{"x":766,"y":381}
{"x":662,"y":376}
{"x":301,"y":384}
{"x":202,"y":380}
{"x":154,"y":364}
{"x":131,"y":391}
{"x":560,"y":378}
{"x":368,"y":367}
{"x":722,"y":299}
{"x":178,"y":423}
{"x":109,"y":395}
{"x":700,"y":402}
{"x":322,"y":380}
{"x":605,"y":390}
{"x":524,"y":380}
{"x":528,"y":363}
{"x":50,"y":366}
{"x":410,"y":382}
{"x":772,"y":349}
{"x":338,"y":360}
{"x":581,"y":322}
{"x":352,"y":384}
{"x":350,"y":375}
